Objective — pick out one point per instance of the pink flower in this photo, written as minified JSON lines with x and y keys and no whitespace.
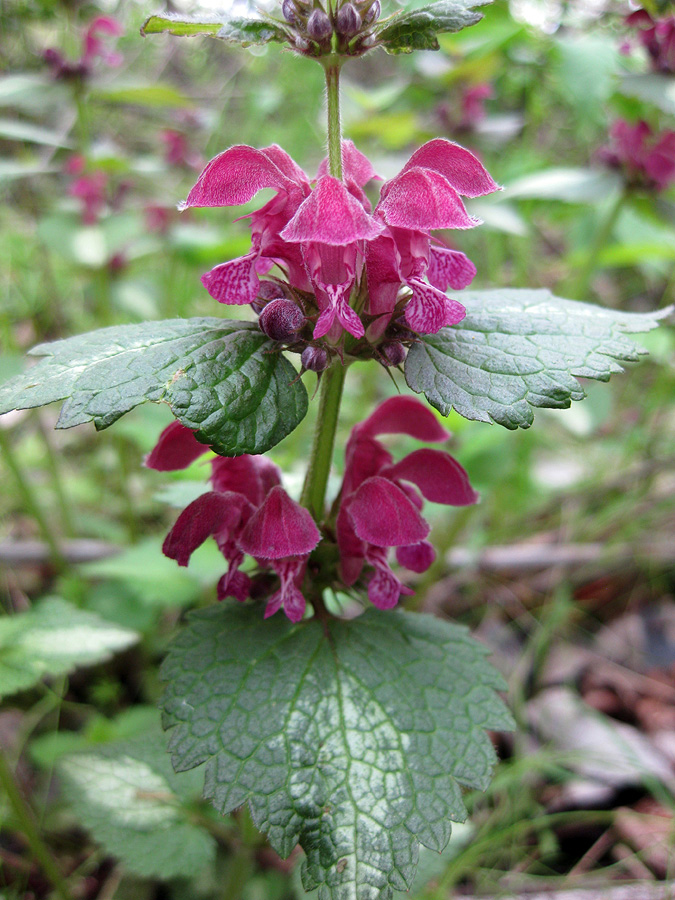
{"x":247,"y":512}
{"x":177,"y":150}
{"x":646,"y":160}
{"x":657,"y":37}
{"x":381,"y":501}
{"x":90,"y":190}
{"x":328,"y":244}
{"x":93,"y":48}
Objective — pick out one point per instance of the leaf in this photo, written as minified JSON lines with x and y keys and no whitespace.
{"x":127,"y":795}
{"x":519,"y":349}
{"x":222,"y":378}
{"x":652,"y":88}
{"x":417,"y":29}
{"x":244,"y":30}
{"x":351,"y":737}
{"x":141,"y":94}
{"x":568,"y":184}
{"x":19,"y":130}
{"x":54,"y":638}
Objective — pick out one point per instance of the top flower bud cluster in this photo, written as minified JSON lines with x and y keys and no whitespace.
{"x":345,"y":30}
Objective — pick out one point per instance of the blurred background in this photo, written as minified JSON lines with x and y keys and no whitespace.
{"x":565,"y":569}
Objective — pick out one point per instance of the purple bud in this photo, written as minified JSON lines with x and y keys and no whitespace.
{"x":270,"y":290}
{"x":316,"y":359}
{"x":281,"y":319}
{"x":393,"y":353}
{"x":288,"y":11}
{"x":318,"y":26}
{"x":373,"y":13}
{"x":348,"y":20}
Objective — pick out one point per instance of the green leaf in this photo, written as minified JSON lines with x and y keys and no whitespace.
{"x":19,"y":130}
{"x":141,"y":94}
{"x":519,"y":349}
{"x":652,"y":88}
{"x":54,"y":638}
{"x":222,"y":378}
{"x":417,"y":29}
{"x":134,"y":805}
{"x":568,"y":184}
{"x":351,"y":737}
{"x":244,"y":30}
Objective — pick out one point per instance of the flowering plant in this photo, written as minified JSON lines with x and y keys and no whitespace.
{"x":345,"y":724}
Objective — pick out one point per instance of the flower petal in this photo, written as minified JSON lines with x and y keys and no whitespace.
{"x":286,"y":163}
{"x":462,"y":170}
{"x":383,"y":515}
{"x":210,"y":514}
{"x":176,"y":448}
{"x":235,"y":177}
{"x":289,"y":594}
{"x":234,"y":282}
{"x":352,"y":549}
{"x":416,"y":557}
{"x":422,"y":200}
{"x":440,"y":477}
{"x":449,"y":268}
{"x":355,"y":165}
{"x":252,"y":476}
{"x":404,"y":415}
{"x":331,"y":215}
{"x":426,"y":311}
{"x":280,"y":528}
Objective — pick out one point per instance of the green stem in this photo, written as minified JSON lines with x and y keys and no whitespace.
{"x":590,"y":264}
{"x":26,"y":822}
{"x":57,"y":481}
{"x":332,"y":69}
{"x":321,"y":456}
{"x":30,"y":501}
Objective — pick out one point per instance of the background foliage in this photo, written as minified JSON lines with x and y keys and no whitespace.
{"x":578,"y":607}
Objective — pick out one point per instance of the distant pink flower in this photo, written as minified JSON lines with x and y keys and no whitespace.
{"x":90,"y":190}
{"x":247,"y":512}
{"x":646,"y":160}
{"x":381,"y":501}
{"x":657,"y":36}
{"x":93,"y":48}
{"x":177,"y":151}
{"x":473,"y":104}
{"x":326,"y":240}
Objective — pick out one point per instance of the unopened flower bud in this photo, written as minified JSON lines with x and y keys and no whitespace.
{"x":373,"y":13}
{"x":318,"y":26}
{"x":270,"y":290}
{"x":316,"y":359}
{"x":288,"y":11}
{"x":393,"y":353}
{"x":348,"y":20}
{"x":281,"y":320}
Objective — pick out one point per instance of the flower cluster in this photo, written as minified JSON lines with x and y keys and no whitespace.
{"x":379,"y":507}
{"x":657,"y":37}
{"x":247,"y":512}
{"x":93,"y":48}
{"x":646,"y":160}
{"x":344,"y":28}
{"x":376,"y":273}
{"x":381,"y":501}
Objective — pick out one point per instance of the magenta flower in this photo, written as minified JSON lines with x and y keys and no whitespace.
{"x":93,"y":47}
{"x":90,"y":190}
{"x":381,"y":501}
{"x":328,"y":243}
{"x":657,"y":37}
{"x":247,"y":512}
{"x":646,"y":160}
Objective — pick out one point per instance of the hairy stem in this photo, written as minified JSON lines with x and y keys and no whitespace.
{"x":316,"y":480}
{"x":332,"y":69}
{"x":25,"y":820}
